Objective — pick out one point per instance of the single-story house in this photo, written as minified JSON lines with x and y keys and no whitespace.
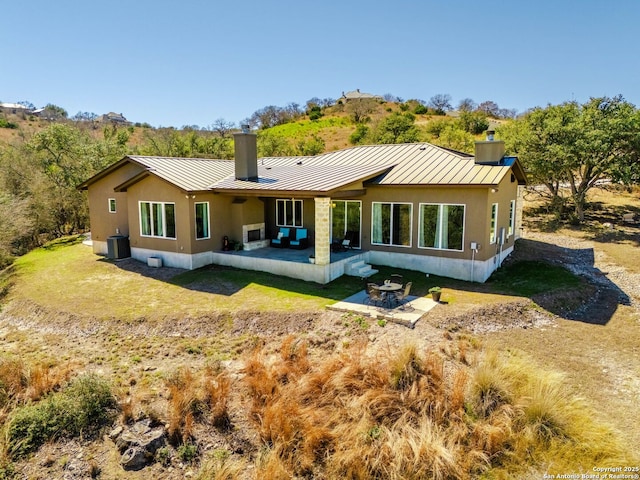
{"x":358,"y":95}
{"x":415,"y":206}
{"x":13,"y":108}
{"x":113,"y":117}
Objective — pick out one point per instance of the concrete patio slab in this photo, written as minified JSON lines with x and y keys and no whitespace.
{"x":406,"y":315}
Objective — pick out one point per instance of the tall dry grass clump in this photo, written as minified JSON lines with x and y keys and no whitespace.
{"x":407,"y":413}
{"x":21,"y":382}
{"x":201,"y":396}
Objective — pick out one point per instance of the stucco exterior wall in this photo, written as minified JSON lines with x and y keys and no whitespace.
{"x":153,"y":189}
{"x":103,"y":223}
{"x":476,"y":226}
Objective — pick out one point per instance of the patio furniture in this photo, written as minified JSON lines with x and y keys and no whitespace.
{"x":374,"y":295}
{"x":401,"y":296}
{"x":388,"y":290}
{"x":347,"y":243}
{"x":396,"y":278}
{"x":282,"y":238}
{"x":299,"y":239}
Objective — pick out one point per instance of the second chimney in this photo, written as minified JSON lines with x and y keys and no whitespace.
{"x":246,"y":154}
{"x":489,"y":152}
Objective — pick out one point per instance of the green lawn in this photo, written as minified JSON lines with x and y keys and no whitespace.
{"x":67,"y":277}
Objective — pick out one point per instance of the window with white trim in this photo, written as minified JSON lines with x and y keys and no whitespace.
{"x":288,"y":213}
{"x":158,"y":219}
{"x":494,"y":223}
{"x":512,"y":217}
{"x":202,"y":220}
{"x":391,"y":224}
{"x":112,"y":205}
{"x":441,"y":226}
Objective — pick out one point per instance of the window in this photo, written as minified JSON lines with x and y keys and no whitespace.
{"x":202,"y":220}
{"x":288,"y":213}
{"x":441,"y":226}
{"x":391,"y":224}
{"x":512,"y":217}
{"x":157,"y":219}
{"x":345,"y":218}
{"x":494,"y":223}
{"x":112,"y":205}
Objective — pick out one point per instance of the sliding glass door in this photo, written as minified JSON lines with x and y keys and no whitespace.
{"x":345,"y":221}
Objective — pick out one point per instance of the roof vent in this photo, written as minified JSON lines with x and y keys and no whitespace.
{"x":490,"y":134}
{"x":245,"y":128}
{"x":299,"y":163}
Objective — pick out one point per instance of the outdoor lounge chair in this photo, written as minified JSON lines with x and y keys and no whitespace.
{"x":299,"y":239}
{"x":345,"y":244}
{"x":282,"y":239}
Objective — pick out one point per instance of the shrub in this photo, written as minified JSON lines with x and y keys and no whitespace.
{"x":84,"y":407}
{"x":420,"y":110}
{"x":359,"y":134}
{"x":4,"y":123}
{"x":187,"y":452}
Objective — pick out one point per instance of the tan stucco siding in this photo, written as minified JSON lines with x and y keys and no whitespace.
{"x":478,"y":202}
{"x":474,"y":200}
{"x":239,"y":212}
{"x":152,"y":189}
{"x":103,"y":223}
{"x":217,"y":209}
{"x":506,"y":191}
{"x":227,"y":215}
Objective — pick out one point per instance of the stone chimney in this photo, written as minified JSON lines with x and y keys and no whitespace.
{"x":246,"y":154}
{"x":489,"y":152}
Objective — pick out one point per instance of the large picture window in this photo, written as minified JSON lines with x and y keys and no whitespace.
{"x":288,"y":213}
{"x":441,"y":226}
{"x":202,"y":220}
{"x":494,"y":223}
{"x":158,"y":219}
{"x":391,"y":224}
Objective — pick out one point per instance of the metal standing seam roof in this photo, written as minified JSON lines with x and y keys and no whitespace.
{"x":413,"y":164}
{"x":188,"y":174}
{"x":403,"y":164}
{"x":302,"y":178}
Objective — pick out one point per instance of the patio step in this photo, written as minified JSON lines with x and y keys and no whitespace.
{"x":358,"y":268}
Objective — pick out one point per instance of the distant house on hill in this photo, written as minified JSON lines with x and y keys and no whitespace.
{"x":416,"y":206}
{"x":13,"y":108}
{"x":112,"y":117}
{"x":358,"y":95}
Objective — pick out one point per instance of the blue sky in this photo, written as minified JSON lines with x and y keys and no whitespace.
{"x":190,"y":62}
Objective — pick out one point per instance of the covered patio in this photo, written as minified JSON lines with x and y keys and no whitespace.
{"x":296,"y":264}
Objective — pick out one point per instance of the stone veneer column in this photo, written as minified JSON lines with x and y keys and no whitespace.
{"x":323,"y":230}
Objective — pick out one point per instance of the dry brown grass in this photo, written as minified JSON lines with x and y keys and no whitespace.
{"x":201,"y":396}
{"x":21,"y":382}
{"x":411,"y":414}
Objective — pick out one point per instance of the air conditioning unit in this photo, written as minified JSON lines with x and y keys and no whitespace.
{"x":118,"y":247}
